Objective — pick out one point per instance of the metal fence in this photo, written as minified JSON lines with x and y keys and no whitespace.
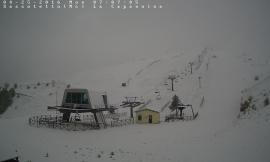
{"x":173,"y":117}
{"x":86,"y":123}
{"x":50,"y":121}
{"x":123,"y":122}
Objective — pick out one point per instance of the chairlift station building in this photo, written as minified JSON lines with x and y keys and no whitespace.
{"x":146,"y":115}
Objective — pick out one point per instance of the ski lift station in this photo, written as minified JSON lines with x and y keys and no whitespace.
{"x":146,"y":115}
{"x":83,"y":101}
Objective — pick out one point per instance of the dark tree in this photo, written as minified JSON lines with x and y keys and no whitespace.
{"x":6,"y":98}
{"x":175,"y":103}
{"x":246,"y":104}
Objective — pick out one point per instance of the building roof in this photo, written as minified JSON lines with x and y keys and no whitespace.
{"x":146,"y":109}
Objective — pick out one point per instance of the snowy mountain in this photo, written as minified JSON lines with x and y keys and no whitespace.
{"x":218,"y":81}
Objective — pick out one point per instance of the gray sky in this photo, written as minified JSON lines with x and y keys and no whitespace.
{"x":56,"y":43}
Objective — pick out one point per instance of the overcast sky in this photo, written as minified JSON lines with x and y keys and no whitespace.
{"x":56,"y":43}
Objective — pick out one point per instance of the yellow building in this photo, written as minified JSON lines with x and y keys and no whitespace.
{"x":147,"y":116}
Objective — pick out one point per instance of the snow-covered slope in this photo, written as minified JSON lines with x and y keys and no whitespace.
{"x":33,"y":99}
{"x":216,"y":135}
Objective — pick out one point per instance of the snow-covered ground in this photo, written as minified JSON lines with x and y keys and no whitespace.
{"x":216,"y":135}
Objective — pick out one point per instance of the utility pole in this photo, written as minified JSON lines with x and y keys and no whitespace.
{"x":208,"y":62}
{"x":172,"y":78}
{"x":191,"y":64}
{"x":200,"y":85}
{"x":56,"y":97}
{"x":56,"y":94}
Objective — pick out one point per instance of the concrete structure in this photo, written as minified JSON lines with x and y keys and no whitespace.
{"x":147,"y":116}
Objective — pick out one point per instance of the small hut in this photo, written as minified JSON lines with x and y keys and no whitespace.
{"x":146,"y":115}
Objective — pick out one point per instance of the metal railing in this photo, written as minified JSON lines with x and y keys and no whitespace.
{"x":86,"y":123}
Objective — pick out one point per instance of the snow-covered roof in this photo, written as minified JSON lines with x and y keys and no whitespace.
{"x":145,"y":110}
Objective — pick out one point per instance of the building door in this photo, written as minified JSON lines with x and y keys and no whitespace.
{"x":150,"y":119}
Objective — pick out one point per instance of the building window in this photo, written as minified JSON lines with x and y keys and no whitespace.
{"x":140,"y":117}
{"x":77,"y":98}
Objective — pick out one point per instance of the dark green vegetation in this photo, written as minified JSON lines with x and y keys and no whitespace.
{"x":6,"y":97}
{"x":246,"y":104}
